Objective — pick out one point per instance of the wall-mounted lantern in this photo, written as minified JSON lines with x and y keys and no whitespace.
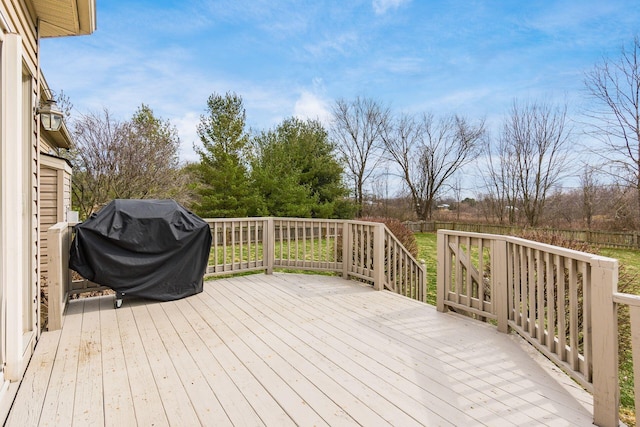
{"x":51,"y":116}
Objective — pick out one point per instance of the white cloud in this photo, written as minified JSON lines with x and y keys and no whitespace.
{"x":382,"y":6}
{"x":311,"y":106}
{"x":342,"y":44}
{"x":187,"y":130}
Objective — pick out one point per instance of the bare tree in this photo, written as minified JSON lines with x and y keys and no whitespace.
{"x":133,"y":159}
{"x":563,"y":208}
{"x":615,"y":86}
{"x":149,"y":160}
{"x":500,"y":180}
{"x":456,"y":188}
{"x":356,"y":128}
{"x":589,"y":184}
{"x":97,"y":137}
{"x":536,"y":138}
{"x":429,"y":152}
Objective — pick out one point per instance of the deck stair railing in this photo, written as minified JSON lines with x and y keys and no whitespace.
{"x":561,"y":301}
{"x":360,"y":250}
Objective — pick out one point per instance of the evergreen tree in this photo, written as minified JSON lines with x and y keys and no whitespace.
{"x":224,"y":187}
{"x":296,"y":172}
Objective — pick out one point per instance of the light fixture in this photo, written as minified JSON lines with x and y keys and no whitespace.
{"x":50,"y":115}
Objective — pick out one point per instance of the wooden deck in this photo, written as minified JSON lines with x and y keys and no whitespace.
{"x":288,"y":349}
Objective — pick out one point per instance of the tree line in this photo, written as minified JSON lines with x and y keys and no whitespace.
{"x":291,"y":170}
{"x":300,"y":168}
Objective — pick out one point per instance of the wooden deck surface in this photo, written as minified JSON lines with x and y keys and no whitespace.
{"x":288,"y":349}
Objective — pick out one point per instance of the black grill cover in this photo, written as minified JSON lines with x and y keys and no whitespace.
{"x":149,"y":248}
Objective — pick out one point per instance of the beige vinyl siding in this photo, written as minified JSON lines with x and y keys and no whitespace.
{"x":66,"y":194}
{"x":20,"y":215}
{"x":48,"y":210}
{"x":55,"y":199}
{"x":45,"y":146}
{"x":21,"y":20}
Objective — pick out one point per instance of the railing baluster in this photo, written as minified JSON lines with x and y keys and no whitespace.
{"x":311,"y":244}
{"x":509,"y":271}
{"x":517,"y":284}
{"x":586,"y":322}
{"x":216,"y":260}
{"x":288,"y":241}
{"x":481,"y":295}
{"x":561,"y":310}
{"x":551,"y":303}
{"x":224,"y":246}
{"x":531,"y":298}
{"x":573,"y":315}
{"x":539,"y":294}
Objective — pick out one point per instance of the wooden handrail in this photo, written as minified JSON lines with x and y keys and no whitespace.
{"x":560,"y":300}
{"x":633,"y":301}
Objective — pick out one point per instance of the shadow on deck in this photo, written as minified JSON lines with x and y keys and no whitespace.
{"x":288,"y":349}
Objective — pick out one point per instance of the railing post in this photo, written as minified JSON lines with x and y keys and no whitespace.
{"x":634,"y":314}
{"x":347,"y":253}
{"x":425,"y":281}
{"x":58,"y":272}
{"x":443,"y":271}
{"x":500,"y":283}
{"x":269,"y":245}
{"x":378,"y":257}
{"x":606,"y":394}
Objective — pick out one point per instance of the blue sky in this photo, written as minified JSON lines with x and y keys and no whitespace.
{"x":295,"y":58}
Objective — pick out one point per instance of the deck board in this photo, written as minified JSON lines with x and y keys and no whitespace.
{"x":201,"y":395}
{"x":236,"y":336}
{"x":288,"y":349}
{"x":267,"y":409}
{"x":148,"y":405}
{"x":118,"y":402}
{"x":177,"y":405}
{"x":35,"y":383}
{"x":88,"y":403}
{"x":407,"y":376}
{"x":58,"y":406}
{"x":476,"y":373}
{"x":397,"y":407}
{"x":235,"y":403}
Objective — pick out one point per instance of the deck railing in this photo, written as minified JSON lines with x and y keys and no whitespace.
{"x":562,"y":301}
{"x":602,"y":239}
{"x":360,"y":250}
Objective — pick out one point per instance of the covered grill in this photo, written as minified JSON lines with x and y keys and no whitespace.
{"x":154,"y":249}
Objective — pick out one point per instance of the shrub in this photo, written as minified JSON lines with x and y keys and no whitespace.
{"x":557,"y":239}
{"x":401,"y":231}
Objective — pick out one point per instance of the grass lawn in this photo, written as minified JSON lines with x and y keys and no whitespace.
{"x":427,"y":250}
{"x":630,"y":258}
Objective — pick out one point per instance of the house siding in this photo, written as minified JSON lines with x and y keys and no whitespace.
{"x":20,"y":213}
{"x":55,"y":201}
{"x":19,"y":279}
{"x":32,"y":194}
